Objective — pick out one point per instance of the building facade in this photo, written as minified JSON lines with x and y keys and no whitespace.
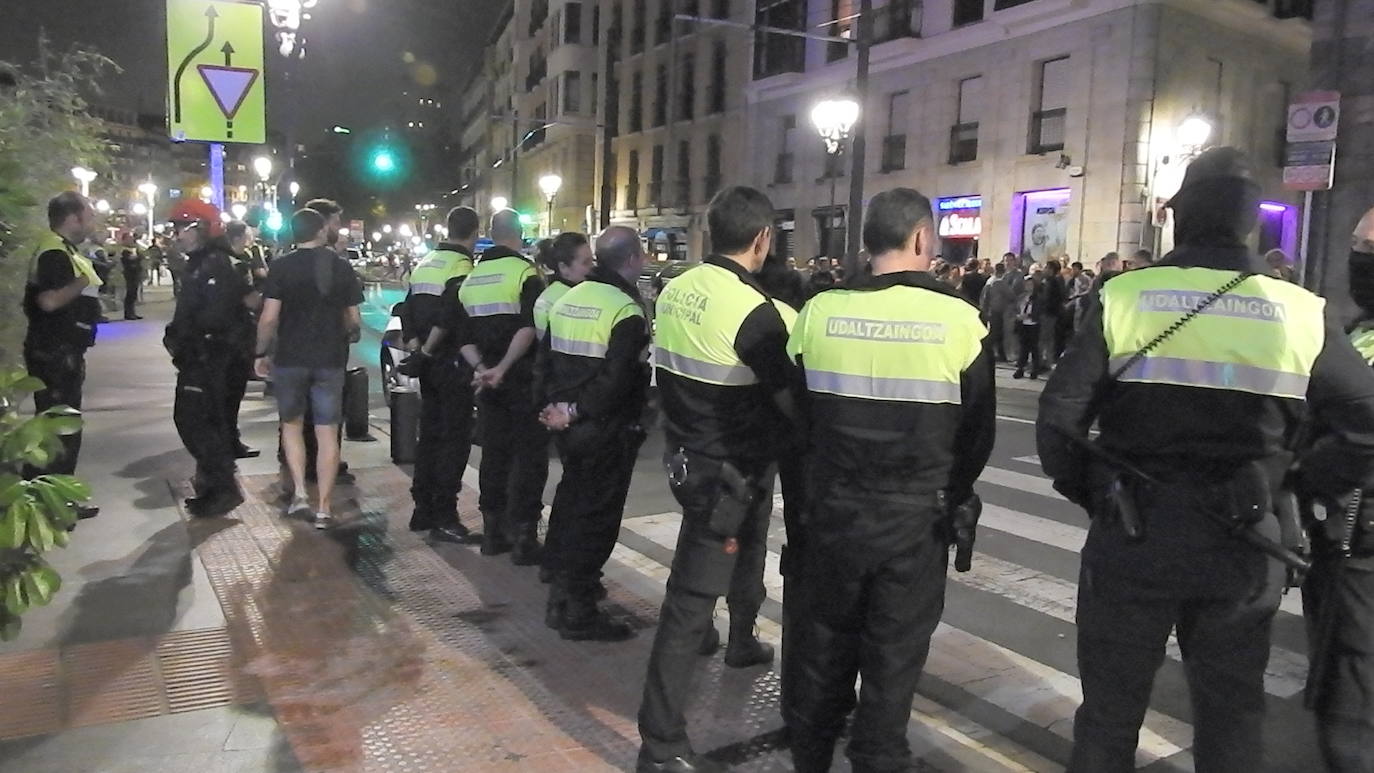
{"x":1048,"y":128}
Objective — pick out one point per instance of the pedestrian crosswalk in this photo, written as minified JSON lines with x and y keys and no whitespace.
{"x":1010,"y":662}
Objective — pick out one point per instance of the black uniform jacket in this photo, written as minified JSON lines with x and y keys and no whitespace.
{"x":492,"y":335}
{"x":421,"y":313}
{"x":905,"y":447}
{"x":740,"y":423}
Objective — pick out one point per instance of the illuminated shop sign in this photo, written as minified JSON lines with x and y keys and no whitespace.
{"x":960,"y":218}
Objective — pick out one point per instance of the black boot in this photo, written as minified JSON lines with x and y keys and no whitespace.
{"x":745,"y":649}
{"x":710,"y":643}
{"x":527,"y":551}
{"x":583,"y":620}
{"x":494,"y":543}
{"x":557,"y":603}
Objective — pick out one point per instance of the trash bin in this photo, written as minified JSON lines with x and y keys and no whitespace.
{"x":405,"y":424}
{"x":355,"y":405}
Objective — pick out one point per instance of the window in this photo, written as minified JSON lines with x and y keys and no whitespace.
{"x":596,"y":97}
{"x":712,"y":165}
{"x":637,"y":27}
{"x":718,"y":78}
{"x":1047,"y":122}
{"x":572,"y":28}
{"x":612,"y":116}
{"x":842,"y":12}
{"x":596,"y":25}
{"x":554,"y":102}
{"x":687,"y":102}
{"x":663,"y":95}
{"x":663,"y":24}
{"x":782,"y":172}
{"x":967,"y":11}
{"x":897,"y":19}
{"x":539,"y":11}
{"x":632,"y":189}
{"x":1002,"y":5}
{"x":656,"y":177}
{"x":637,"y":102}
{"x":572,"y":92}
{"x":963,"y":136}
{"x":774,"y":54}
{"x":894,"y":144}
{"x":613,"y":34}
{"x":684,"y":174}
{"x":720,"y":9}
{"x":536,"y":137}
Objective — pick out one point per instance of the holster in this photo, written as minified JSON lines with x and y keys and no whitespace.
{"x":737,"y":498}
{"x":961,"y":525}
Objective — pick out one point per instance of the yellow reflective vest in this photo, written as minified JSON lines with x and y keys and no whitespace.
{"x":581,"y":321}
{"x":493,"y":287}
{"x":1262,"y":337}
{"x":697,"y":317}
{"x":899,"y":343}
{"x":50,"y":241}
{"x":542,"y":307}
{"x":437,"y":269}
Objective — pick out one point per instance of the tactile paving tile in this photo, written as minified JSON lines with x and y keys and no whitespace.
{"x":30,"y":694}
{"x":379,"y":652}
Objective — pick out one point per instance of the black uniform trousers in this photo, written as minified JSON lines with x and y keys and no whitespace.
{"x":860,"y":607}
{"x":1028,"y":337}
{"x":1345,"y":709}
{"x":200,"y":418}
{"x":1123,"y":627}
{"x":131,"y":284}
{"x":584,"y":522}
{"x":63,"y":373}
{"x":238,"y":372}
{"x":445,"y":442}
{"x":702,"y":571}
{"x":515,"y":460}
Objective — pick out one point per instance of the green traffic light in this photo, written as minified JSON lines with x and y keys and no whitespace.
{"x":383,"y":161}
{"x":274,"y":222}
{"x":526,"y":219}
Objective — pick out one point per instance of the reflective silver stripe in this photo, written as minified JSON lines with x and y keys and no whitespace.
{"x":1215,"y":375}
{"x":681,"y":364}
{"x":880,"y":388}
{"x":492,"y":309}
{"x":427,"y":288}
{"x":580,"y":348}
{"x":484,"y":279}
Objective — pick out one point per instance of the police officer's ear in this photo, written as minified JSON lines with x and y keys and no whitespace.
{"x":924,"y":239}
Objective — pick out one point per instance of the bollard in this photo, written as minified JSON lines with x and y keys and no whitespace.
{"x":405,"y":424}
{"x":355,"y":405}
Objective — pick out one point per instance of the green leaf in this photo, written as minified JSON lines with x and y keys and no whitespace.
{"x":32,"y":591}
{"x":61,"y":537}
{"x":13,"y":492}
{"x":40,"y":531}
{"x":15,"y":602}
{"x":14,"y":525}
{"x":25,"y":384}
{"x":10,"y":625}
{"x":71,"y":488}
{"x":57,"y":507}
{"x":48,"y":580}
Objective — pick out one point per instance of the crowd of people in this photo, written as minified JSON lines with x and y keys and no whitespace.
{"x":888,"y":377}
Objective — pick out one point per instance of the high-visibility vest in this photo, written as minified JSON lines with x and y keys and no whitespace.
{"x":494,"y":286}
{"x":696,"y":318}
{"x":551,"y":295}
{"x":900,"y":344}
{"x":788,"y":314}
{"x":1362,"y":338}
{"x":81,"y":266}
{"x":1262,"y":337}
{"x":580,"y":323}
{"x":436,"y":270}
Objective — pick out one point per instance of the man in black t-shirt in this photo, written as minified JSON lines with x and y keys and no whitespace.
{"x":311,"y":309}
{"x":62,"y":303}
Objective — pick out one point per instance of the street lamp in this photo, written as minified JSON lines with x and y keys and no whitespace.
{"x":295,"y":189}
{"x":148,"y":189}
{"x":376,"y":236}
{"x":1194,"y":132}
{"x":240,"y":210}
{"x":499,"y":203}
{"x":386,"y":229}
{"x":207,"y":193}
{"x":834,"y":119}
{"x":102,"y":206}
{"x":139,"y":208}
{"x":263,"y":166}
{"x":549,"y":185}
{"x":405,"y":230}
{"x":84,"y":176}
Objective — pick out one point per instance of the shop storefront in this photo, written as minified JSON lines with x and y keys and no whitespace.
{"x":1040,"y":224}
{"x":959,"y":224}
{"x":1278,"y":228}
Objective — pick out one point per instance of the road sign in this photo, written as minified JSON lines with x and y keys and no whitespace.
{"x":215,"y":86}
{"x":1314,"y":116}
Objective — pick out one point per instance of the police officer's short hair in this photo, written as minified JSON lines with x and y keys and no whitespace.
{"x":63,"y":206}
{"x":463,"y":223}
{"x":326,"y":207}
{"x":235,"y":230}
{"x":306,"y":224}
{"x":892,"y":217}
{"x":736,"y":216}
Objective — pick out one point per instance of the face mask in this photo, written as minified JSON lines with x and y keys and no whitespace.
{"x":1362,"y":281}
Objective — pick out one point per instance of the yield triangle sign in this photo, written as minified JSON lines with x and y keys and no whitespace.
{"x":228,"y":85}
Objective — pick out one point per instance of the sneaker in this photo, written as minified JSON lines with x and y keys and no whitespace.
{"x":299,"y":508}
{"x":323,"y":520}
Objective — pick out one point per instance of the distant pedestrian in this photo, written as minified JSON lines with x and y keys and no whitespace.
{"x":132,"y":264}
{"x":822,"y":277}
{"x":974,"y":281}
{"x":311,"y":310}
{"x":996,"y":305}
{"x":783,"y":283}
{"x":1029,"y":315}
{"x":1277,"y":261}
{"x":1141,"y":259}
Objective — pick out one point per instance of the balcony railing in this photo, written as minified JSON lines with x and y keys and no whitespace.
{"x":963,"y":142}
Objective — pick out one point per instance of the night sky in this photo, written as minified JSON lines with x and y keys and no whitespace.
{"x":356,"y":67}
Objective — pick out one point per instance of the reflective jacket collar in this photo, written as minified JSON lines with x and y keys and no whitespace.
{"x":1220,"y":258}
{"x":921,"y":279}
{"x":498,"y":251}
{"x":452,"y":247}
{"x":720,"y":261}
{"x":607,"y":276}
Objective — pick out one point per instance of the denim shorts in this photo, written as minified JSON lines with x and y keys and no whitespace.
{"x":319,"y":388}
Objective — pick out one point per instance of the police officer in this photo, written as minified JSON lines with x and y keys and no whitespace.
{"x":1338,"y":595}
{"x":62,"y":303}
{"x":445,"y":385}
{"x":497,"y":339}
{"x":205,"y":339}
{"x":240,"y":368}
{"x":567,"y":257}
{"x":725,"y":382}
{"x":1208,"y":405}
{"x":901,"y":404}
{"x":596,"y":383}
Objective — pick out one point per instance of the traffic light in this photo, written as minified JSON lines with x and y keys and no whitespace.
{"x":526,"y":219}
{"x":383,"y":161}
{"x":274,"y":222}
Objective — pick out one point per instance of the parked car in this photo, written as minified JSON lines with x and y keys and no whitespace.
{"x":393,"y":351}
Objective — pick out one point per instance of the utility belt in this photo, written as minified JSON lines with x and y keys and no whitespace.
{"x":1344,"y":529}
{"x":730,"y":492}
